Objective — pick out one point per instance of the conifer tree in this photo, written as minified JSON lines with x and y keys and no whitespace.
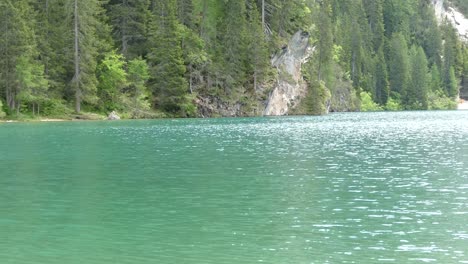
{"x":168,"y":84}
{"x":325,"y":40}
{"x":450,"y":61}
{"x":398,"y":65}
{"x":374,"y":12}
{"x":21,"y":74}
{"x":86,"y":29}
{"x":233,"y":45}
{"x":129,"y":20}
{"x":381,"y":78}
{"x":417,"y":93}
{"x":54,"y":43}
{"x":257,"y":48}
{"x":185,"y":12}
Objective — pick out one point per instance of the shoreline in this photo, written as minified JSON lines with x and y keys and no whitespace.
{"x":463,"y":105}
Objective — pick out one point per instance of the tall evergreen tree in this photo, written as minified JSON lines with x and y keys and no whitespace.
{"x":417,"y":93}
{"x":398,"y":65}
{"x":233,"y":45}
{"x":54,"y":43}
{"x":450,"y":61}
{"x":185,"y":12}
{"x":374,"y":11}
{"x":21,"y":73}
{"x":168,"y":84}
{"x":257,"y":48}
{"x":130,"y":20}
{"x":86,"y":28}
{"x":381,"y":79}
{"x":325,"y":39}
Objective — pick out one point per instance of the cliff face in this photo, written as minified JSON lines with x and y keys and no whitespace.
{"x":443,"y":11}
{"x":458,"y":20}
{"x":290,"y":88}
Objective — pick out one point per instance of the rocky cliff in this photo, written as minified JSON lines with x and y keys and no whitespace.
{"x":290,"y":88}
{"x":444,"y":10}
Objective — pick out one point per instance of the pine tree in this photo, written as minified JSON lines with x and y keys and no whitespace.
{"x":398,"y":65}
{"x":54,"y":43}
{"x":87,"y":27}
{"x":32,"y":84}
{"x":233,"y":46}
{"x":417,"y":92}
{"x":168,"y":84}
{"x":381,"y":78}
{"x":185,"y":12}
{"x":436,"y":82}
{"x":325,"y":40}
{"x":426,"y":32}
{"x":129,"y":20}
{"x":374,"y":11}
{"x":257,"y":48}
{"x":450,"y":62}
{"x":353,"y":37}
{"x":21,"y":74}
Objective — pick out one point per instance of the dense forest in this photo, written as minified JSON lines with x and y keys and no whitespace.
{"x":153,"y":58}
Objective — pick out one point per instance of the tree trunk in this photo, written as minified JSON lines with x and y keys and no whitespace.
{"x":263,"y":15}
{"x":191,"y":78}
{"x":124,"y":31}
{"x":46,"y":62}
{"x":76,"y":79}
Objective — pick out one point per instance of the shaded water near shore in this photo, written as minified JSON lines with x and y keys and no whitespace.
{"x":342,"y":188}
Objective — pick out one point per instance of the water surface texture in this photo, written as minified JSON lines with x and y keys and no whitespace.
{"x":342,"y":188}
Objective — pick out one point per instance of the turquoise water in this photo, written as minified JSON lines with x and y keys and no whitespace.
{"x":342,"y":188}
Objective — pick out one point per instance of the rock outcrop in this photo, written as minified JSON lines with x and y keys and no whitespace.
{"x":457,"y":19}
{"x":211,"y":106}
{"x":113,"y":116}
{"x":290,"y":88}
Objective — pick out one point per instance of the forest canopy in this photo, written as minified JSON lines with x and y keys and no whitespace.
{"x":150,"y":58}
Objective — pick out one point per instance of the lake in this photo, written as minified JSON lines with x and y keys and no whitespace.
{"x":341,"y":188}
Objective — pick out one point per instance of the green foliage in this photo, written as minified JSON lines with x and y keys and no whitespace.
{"x":451,"y":84}
{"x":393,"y":105}
{"x":418,"y":89}
{"x":435,"y":81}
{"x":32,"y":84}
{"x":439,"y":101}
{"x":88,"y":36}
{"x":367,"y":104}
{"x":317,"y":98}
{"x":258,"y":62}
{"x":55,"y":108}
{"x":129,"y":20}
{"x":137,"y":92}
{"x":324,"y":45}
{"x":168,"y":53}
{"x":450,"y":61}
{"x":381,"y":93}
{"x":17,"y":45}
{"x":398,"y":65}
{"x":168,"y":84}
{"x":112,"y":79}
{"x":2,"y":113}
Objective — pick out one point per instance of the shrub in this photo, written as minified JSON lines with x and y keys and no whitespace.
{"x":367,"y":104}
